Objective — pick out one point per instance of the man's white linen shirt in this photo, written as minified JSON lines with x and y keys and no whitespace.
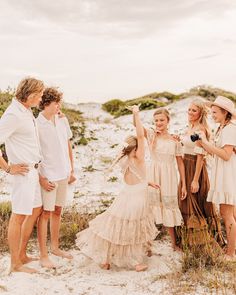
{"x":18,"y":130}
{"x":54,"y":139}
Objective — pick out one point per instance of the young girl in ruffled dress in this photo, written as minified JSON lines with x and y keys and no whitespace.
{"x":122,"y":234}
{"x":165,"y":151}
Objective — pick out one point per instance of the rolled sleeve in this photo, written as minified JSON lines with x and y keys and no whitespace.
{"x":229,"y":135}
{"x":178,"y":149}
{"x":68,"y":130}
{"x":8,"y":124}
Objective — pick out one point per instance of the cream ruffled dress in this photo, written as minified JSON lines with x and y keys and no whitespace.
{"x":163,"y":171}
{"x":121,"y":234}
{"x":223,"y":174}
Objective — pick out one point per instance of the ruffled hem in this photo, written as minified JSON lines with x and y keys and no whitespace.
{"x":166,"y":216}
{"x":221,"y":198}
{"x":120,"y":231}
{"x":102,"y":251}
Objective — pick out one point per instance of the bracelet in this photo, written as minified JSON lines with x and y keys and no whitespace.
{"x":8,"y":169}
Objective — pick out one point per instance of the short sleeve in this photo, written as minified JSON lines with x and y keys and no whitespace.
{"x":68,"y":130}
{"x":228,"y":135}
{"x":178,"y":149}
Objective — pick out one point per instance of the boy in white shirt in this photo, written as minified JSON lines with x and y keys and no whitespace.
{"x":55,"y":170}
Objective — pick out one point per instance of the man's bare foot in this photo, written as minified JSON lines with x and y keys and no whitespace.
{"x":105,"y":266}
{"x":61,"y":253}
{"x":26,"y":259}
{"x":22,"y":268}
{"x":47,"y":263}
{"x":141,"y":267}
{"x":176,"y":248}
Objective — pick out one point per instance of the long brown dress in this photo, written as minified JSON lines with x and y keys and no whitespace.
{"x":201,"y":219}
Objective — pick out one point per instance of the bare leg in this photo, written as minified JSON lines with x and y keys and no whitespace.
{"x":171,"y":231}
{"x":27,"y":228}
{"x":227,"y":213}
{"x":42,"y":237}
{"x":14,"y":237}
{"x":55,"y":222}
{"x":235,"y":220}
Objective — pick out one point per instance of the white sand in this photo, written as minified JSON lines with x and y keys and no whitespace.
{"x":83,"y":276}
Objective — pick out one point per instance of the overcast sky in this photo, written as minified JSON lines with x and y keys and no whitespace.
{"x":104,"y":49}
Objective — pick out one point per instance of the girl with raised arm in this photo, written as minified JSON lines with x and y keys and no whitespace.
{"x":121,"y":235}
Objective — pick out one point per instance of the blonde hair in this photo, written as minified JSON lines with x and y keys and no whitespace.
{"x":28,"y":86}
{"x":162,"y":111}
{"x":132,"y":142}
{"x":159,"y":111}
{"x":200,"y":104}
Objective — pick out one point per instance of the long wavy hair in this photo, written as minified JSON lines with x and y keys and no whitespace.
{"x":132,"y":143}
{"x":200,"y":104}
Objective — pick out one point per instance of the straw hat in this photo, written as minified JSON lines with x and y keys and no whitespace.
{"x":224,"y":103}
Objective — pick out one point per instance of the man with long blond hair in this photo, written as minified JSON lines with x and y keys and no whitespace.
{"x":18,"y":130}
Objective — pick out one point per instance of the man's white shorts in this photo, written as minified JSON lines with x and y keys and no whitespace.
{"x":56,"y":197}
{"x":26,"y":192}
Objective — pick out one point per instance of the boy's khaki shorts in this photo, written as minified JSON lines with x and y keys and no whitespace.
{"x":56,"y":197}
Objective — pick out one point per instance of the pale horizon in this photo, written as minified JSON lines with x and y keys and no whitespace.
{"x":95,"y":51}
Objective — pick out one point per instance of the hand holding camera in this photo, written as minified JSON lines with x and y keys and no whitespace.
{"x":199,"y":136}
{"x":194,"y":137}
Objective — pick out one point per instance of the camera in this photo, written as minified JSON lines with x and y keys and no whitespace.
{"x":194,"y":137}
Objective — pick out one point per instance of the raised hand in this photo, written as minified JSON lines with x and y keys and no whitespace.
{"x":134,"y":108}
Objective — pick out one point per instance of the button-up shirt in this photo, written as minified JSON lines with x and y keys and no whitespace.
{"x":54,"y":138}
{"x":18,"y":130}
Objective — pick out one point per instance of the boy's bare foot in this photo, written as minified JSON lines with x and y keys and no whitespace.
{"x":47,"y":263}
{"x":22,"y":268}
{"x":26,"y":259}
{"x":141,"y":267}
{"x":72,"y":179}
{"x":105,"y":266}
{"x":149,"y":253}
{"x":61,"y":253}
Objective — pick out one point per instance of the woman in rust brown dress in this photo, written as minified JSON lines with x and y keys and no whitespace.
{"x":200,"y":217}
